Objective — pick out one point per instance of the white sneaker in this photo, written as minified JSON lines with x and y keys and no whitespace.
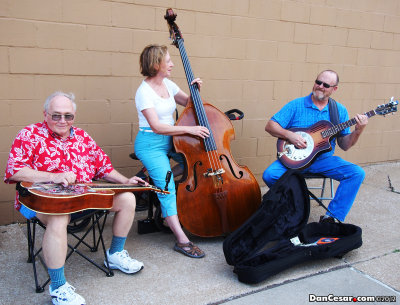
{"x":122,"y":261}
{"x":65,"y":295}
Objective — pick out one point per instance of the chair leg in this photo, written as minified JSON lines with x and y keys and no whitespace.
{"x":323,"y":187}
{"x":31,"y":232}
{"x":98,"y":221}
{"x":95,"y":222}
{"x":95,"y":244}
{"x":109,"y":271}
{"x":332,"y":189}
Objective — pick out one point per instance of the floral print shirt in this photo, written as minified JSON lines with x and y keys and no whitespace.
{"x":38,"y":148}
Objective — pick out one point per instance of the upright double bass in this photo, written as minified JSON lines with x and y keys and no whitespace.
{"x":217,"y":195}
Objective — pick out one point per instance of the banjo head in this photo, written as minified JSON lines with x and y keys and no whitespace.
{"x":295,"y":154}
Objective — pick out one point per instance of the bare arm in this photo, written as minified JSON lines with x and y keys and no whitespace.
{"x":116,"y":177}
{"x":165,"y":129}
{"x":182,"y":99}
{"x":275,"y":130}
{"x":351,"y":139}
{"x":30,"y":175}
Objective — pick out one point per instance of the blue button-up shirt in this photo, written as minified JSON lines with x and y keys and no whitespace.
{"x":302,"y":113}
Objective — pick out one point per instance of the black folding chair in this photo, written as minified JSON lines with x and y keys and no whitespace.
{"x":96,"y":220}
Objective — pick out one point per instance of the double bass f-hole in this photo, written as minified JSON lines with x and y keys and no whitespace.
{"x":194,"y":177}
{"x":231,"y":168}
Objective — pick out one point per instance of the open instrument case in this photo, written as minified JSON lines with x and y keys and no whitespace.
{"x":277,"y":236}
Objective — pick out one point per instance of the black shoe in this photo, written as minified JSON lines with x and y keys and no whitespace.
{"x":324,"y":219}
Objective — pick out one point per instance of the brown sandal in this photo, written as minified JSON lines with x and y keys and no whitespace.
{"x":192,"y":251}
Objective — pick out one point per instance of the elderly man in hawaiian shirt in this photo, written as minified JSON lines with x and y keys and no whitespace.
{"x":56,"y":151}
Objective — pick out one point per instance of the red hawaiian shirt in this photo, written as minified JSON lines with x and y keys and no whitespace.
{"x":38,"y":148}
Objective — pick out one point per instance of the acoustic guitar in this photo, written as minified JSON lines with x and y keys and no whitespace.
{"x":318,"y":138}
{"x":56,"y":199}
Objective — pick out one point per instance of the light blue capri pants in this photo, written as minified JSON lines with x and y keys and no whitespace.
{"x":154,"y":150}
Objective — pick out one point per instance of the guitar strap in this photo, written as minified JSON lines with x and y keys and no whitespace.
{"x":333,"y":112}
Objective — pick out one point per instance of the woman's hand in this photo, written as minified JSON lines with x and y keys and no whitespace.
{"x":199,"y":131}
{"x":197,"y":81}
{"x":181,"y":97}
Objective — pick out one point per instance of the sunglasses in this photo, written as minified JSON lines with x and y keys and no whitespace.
{"x":57,"y":117}
{"x":327,"y":86}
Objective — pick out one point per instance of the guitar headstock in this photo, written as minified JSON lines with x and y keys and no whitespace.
{"x":387,"y":108}
{"x":174,"y":32}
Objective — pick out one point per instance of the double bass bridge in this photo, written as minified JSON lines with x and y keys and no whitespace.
{"x":211,"y":173}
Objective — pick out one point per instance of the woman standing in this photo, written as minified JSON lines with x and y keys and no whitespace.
{"x":156,"y":100}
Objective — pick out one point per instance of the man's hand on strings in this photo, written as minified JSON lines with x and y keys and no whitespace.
{"x":297,"y":140}
{"x":64,"y":178}
{"x":138,"y":181}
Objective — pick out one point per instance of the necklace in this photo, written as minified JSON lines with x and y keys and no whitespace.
{"x":160,"y":89}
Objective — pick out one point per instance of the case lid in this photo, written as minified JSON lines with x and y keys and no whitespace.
{"x":283,"y":213}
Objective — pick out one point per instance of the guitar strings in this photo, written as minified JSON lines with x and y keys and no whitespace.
{"x":339,"y":127}
{"x":209,"y":142}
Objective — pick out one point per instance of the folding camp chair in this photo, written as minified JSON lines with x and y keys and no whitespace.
{"x":322,"y":187}
{"x":97,"y":220}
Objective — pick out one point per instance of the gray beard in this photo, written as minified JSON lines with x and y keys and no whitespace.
{"x":319,"y":96}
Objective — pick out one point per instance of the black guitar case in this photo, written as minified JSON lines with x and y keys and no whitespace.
{"x":277,"y":236}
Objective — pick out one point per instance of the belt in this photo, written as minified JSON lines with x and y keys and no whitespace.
{"x":145,"y":130}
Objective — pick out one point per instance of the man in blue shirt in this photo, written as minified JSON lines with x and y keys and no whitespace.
{"x":304,"y":112}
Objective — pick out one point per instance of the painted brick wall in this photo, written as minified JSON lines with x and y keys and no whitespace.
{"x":254,"y":55}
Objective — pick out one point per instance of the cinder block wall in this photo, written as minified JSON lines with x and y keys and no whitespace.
{"x":254,"y":55}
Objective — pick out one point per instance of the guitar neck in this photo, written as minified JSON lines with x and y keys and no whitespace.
{"x":117,"y":188}
{"x":339,"y":127}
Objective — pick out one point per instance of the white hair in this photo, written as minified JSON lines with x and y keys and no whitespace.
{"x":69,"y":96}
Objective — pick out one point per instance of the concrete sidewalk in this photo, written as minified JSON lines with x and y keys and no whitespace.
{"x":171,"y":278}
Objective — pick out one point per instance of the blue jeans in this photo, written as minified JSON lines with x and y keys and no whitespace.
{"x":153,"y":149}
{"x":348,"y":174}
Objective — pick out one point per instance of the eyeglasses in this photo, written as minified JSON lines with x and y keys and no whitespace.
{"x":57,"y":117}
{"x":327,"y":86}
